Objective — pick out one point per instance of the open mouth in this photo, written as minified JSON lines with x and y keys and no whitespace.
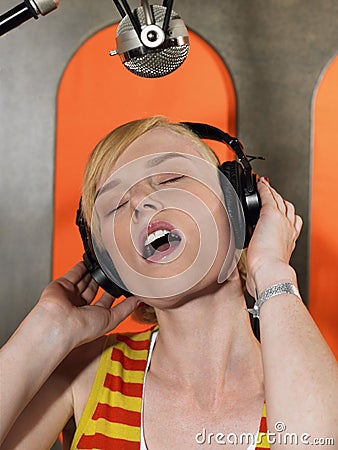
{"x":160,"y":241}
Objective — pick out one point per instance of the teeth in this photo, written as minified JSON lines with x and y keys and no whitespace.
{"x":149,"y":249}
{"x":157,"y":234}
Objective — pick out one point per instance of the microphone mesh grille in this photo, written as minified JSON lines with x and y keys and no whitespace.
{"x":156,"y":62}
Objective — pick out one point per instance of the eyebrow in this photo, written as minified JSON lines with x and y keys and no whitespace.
{"x":159,"y":159}
{"x":152,"y":163}
{"x":107,"y":187}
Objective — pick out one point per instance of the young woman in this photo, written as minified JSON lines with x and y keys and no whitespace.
{"x":200,"y":376}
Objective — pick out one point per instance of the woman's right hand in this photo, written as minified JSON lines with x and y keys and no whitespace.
{"x":62,"y":320}
{"x":66,"y":302}
{"x":273,"y":241}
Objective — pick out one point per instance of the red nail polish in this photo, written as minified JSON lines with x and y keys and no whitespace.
{"x":139,"y":305}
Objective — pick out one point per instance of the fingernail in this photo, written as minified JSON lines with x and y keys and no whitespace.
{"x":140,"y":304}
{"x":267,"y":179}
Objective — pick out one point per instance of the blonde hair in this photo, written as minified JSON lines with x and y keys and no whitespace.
{"x":107,"y":151}
{"x":101,"y":162}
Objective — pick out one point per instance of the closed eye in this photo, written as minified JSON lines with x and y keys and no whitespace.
{"x":117,"y":208}
{"x":172,"y":180}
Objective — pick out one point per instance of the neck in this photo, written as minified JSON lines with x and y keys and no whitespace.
{"x":212,"y":332}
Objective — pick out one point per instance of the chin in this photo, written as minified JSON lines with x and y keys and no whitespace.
{"x":165,"y":300}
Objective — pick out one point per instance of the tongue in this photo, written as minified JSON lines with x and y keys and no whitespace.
{"x":166,"y":245}
{"x":163,"y":247}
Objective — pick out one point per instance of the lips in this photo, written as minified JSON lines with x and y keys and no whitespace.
{"x":158,"y":240}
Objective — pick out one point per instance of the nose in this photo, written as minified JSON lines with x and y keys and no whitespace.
{"x":143,"y":201}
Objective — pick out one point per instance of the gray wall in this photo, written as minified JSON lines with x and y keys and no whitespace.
{"x":276,"y":51}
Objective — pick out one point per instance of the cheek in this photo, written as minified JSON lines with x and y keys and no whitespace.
{"x":115,"y":238}
{"x":223,"y":222}
{"x":224,"y":244}
{"x":215,"y":207}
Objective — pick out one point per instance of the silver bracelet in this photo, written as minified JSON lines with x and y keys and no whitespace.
{"x":272,"y":291}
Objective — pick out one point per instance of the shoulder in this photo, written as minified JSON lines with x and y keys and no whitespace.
{"x":81,"y":357}
{"x":88,"y":355}
{"x":81,"y":366}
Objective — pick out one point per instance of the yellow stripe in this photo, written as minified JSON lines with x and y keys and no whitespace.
{"x":94,"y":395}
{"x":120,"y":400}
{"x":137,"y":337}
{"x":129,"y":376}
{"x":117,"y":430}
{"x":103,"y":395}
{"x":138,"y":355}
{"x":143,"y":336}
{"x":262,"y":441}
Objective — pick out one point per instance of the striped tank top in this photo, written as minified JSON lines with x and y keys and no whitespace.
{"x":112,"y":416}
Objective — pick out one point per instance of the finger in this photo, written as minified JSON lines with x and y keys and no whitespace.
{"x":84,"y":282}
{"x":90,"y":291}
{"x":296,"y":220}
{"x":265,"y":193}
{"x":76,"y":273}
{"x":290,"y":211}
{"x":106,"y":300}
{"x":73,"y":277}
{"x":298,"y":224}
{"x":121,"y":311}
{"x":278,"y":198}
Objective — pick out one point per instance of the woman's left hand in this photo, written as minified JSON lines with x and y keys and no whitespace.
{"x":273,"y":240}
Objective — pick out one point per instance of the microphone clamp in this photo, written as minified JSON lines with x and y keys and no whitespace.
{"x":28,"y":9}
{"x":152,"y":36}
{"x":152,"y":41}
{"x":44,"y":7}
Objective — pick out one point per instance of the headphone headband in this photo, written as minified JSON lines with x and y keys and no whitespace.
{"x":242,"y":179}
{"x":204,"y":131}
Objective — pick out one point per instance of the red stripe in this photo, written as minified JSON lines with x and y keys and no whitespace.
{"x":134,"y":345}
{"x":116,"y":384}
{"x":117,"y":415}
{"x":127,"y":363}
{"x":102,"y":442}
{"x":263,"y":427}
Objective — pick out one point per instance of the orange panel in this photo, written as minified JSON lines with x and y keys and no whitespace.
{"x":324,"y":211}
{"x":97,"y":93}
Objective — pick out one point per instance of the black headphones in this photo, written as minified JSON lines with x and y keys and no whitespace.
{"x":242,"y":179}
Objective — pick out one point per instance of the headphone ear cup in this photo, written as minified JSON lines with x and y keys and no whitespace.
{"x":233,"y":172}
{"x":117,"y":288}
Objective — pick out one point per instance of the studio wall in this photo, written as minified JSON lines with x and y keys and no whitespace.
{"x":276,"y":51}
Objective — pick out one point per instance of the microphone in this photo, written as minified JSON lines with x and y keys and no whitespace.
{"x":152,"y":41}
{"x":25,"y":11}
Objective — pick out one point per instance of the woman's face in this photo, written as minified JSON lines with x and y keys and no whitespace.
{"x":162,"y":218}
